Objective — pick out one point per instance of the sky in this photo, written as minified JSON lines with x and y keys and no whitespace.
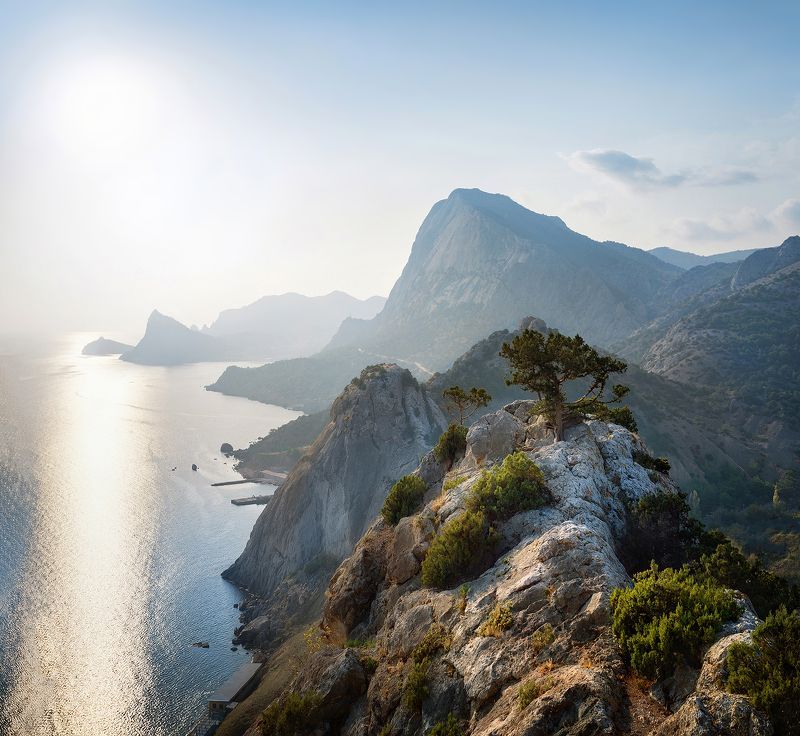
{"x":194,"y":156}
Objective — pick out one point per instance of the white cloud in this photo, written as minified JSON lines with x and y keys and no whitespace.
{"x":641,"y":173}
{"x":788,"y":213}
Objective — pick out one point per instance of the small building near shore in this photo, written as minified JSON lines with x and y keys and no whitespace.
{"x":238,"y":686}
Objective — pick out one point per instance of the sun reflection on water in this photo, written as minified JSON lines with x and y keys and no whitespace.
{"x":114,"y":558}
{"x":91,"y":645}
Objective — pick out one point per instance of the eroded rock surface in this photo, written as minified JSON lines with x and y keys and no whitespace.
{"x":555,"y":668}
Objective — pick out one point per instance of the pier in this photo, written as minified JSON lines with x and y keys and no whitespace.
{"x":250,"y":500}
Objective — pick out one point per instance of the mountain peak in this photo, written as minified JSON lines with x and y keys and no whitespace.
{"x":502,"y":206}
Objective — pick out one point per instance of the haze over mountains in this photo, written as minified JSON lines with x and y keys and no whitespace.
{"x":687,"y":260}
{"x":279,"y":326}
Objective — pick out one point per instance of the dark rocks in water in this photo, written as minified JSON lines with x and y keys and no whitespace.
{"x":236,"y":605}
{"x":201,"y":644}
{"x":194,"y":467}
{"x":234,"y":649}
{"x":226,"y":449}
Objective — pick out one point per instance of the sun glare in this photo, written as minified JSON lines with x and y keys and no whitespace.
{"x":104,"y":104}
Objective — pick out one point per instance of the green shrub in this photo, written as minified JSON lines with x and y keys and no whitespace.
{"x":360,"y":643}
{"x":659,"y":464}
{"x":729,"y":567}
{"x":768,"y":670}
{"x":499,"y":619}
{"x":458,"y":550}
{"x":292,"y":715}
{"x":450,"y":726}
{"x":532,"y":689}
{"x":451,"y":445}
{"x":543,"y":637}
{"x":437,"y":637}
{"x":516,"y":485}
{"x":415,"y":689}
{"x":404,"y":498}
{"x":668,"y":616}
{"x":452,"y":483}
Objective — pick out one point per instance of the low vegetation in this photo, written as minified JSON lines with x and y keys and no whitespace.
{"x":668,"y":616}
{"x":542,"y":638}
{"x":458,"y":550}
{"x":729,"y":567}
{"x":453,"y":482}
{"x":415,"y":688}
{"x":532,"y":689}
{"x":403,"y":499}
{"x":659,"y":464}
{"x":768,"y":670}
{"x":466,"y":543}
{"x":500,"y":619}
{"x":450,"y":726}
{"x":451,"y":445}
{"x":436,"y":639}
{"x":291,"y":715}
{"x":516,"y":485}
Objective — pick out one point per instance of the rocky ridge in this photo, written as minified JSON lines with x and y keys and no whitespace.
{"x":554,"y":667}
{"x":379,"y":428}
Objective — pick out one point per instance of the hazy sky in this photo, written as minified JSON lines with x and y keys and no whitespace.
{"x":192,"y":156}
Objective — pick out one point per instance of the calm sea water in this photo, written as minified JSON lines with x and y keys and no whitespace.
{"x":109,"y":558}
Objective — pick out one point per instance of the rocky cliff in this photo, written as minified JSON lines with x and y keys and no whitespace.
{"x":380,"y":426}
{"x":548,"y":662}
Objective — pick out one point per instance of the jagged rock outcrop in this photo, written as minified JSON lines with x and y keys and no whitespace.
{"x":554,"y":666}
{"x":379,"y":428}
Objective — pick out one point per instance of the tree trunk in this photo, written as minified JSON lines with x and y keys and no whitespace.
{"x":558,"y":420}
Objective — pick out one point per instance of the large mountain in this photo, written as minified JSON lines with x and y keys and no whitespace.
{"x":481,"y":262}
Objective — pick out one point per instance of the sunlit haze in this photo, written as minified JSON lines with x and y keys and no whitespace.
{"x":196,"y":157}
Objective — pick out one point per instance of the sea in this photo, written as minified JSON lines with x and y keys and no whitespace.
{"x":111,"y":546}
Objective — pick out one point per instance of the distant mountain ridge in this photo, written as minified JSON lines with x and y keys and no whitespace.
{"x":687,"y":260}
{"x":281,"y":326}
{"x":291,"y":324}
{"x":747,"y":340}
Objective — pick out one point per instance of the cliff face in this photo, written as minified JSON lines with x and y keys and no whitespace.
{"x":379,"y":428}
{"x":554,"y":579}
{"x":482,"y":262}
